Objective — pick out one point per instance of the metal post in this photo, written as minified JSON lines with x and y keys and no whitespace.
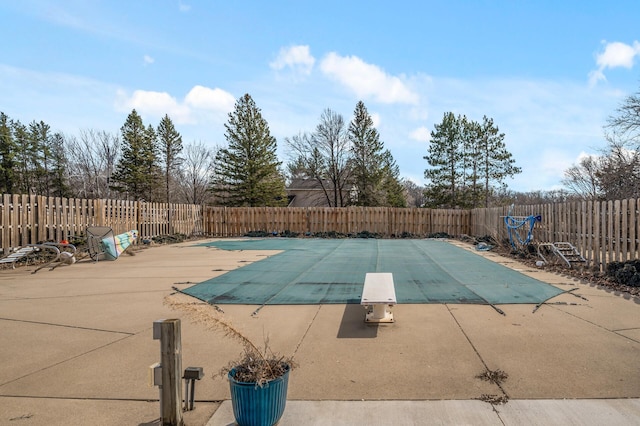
{"x":191,"y":374}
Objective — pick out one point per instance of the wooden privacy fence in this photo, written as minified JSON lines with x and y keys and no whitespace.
{"x":238,"y":221}
{"x":603,"y":232}
{"x":27,"y":219}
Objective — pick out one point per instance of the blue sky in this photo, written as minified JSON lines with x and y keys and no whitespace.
{"x":549,"y":73}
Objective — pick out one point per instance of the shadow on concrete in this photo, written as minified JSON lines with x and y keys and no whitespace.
{"x":353,"y":326}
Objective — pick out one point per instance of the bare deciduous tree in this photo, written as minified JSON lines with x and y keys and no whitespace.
{"x":92,"y":158}
{"x":194,"y":173}
{"x":324,"y":156}
{"x":624,"y":126}
{"x":619,"y":174}
{"x":615,"y":174}
{"x":582,"y":178}
{"x":414,"y":193}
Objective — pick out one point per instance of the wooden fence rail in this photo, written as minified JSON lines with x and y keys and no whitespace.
{"x":602,"y":231}
{"x":237,"y":221}
{"x":27,"y":219}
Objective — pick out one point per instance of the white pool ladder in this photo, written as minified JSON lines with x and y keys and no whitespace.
{"x":565,"y":251}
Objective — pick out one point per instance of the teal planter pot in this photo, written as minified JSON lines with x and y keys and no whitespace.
{"x":258,"y":406}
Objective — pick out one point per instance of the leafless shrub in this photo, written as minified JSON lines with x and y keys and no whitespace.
{"x":496,"y":377}
{"x":257,"y":365}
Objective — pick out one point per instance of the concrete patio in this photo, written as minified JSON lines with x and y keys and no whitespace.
{"x":76,"y":344}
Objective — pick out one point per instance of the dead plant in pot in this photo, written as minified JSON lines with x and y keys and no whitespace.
{"x":258,"y":379}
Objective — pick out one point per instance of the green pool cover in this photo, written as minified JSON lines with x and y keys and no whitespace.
{"x":323,"y":271}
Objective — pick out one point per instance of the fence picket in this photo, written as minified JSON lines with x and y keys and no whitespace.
{"x":603,"y":231}
{"x":633,"y":228}
{"x":624,"y":229}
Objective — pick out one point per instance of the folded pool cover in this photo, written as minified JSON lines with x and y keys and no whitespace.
{"x":323,"y":271}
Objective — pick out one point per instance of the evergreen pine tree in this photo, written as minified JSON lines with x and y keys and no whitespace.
{"x":40,"y":135}
{"x":367,"y":158}
{"x":137,"y":172}
{"x":246,"y":172}
{"x":467,"y":160}
{"x":170,"y":143}
{"x":24,"y":154}
{"x":496,"y":162}
{"x":445,"y":158}
{"x":473,"y":192}
{"x":59,"y":181}
{"x":7,"y":155}
{"x":392,"y":187}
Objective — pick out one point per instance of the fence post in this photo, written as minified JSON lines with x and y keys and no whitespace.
{"x":168,"y":331}
{"x":142,"y":231}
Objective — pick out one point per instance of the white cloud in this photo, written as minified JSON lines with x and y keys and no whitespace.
{"x":367,"y":80}
{"x":618,"y":54}
{"x":216,"y":100}
{"x":595,"y":76}
{"x":296,"y":58}
{"x":421,"y":134}
{"x":183,"y":7}
{"x":154,"y":104}
{"x":148,"y":60}
{"x":555,"y":162}
{"x":196,"y":107}
{"x":614,"y":55}
{"x":584,"y":155}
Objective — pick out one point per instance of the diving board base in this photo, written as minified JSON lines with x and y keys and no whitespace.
{"x":379,"y":314}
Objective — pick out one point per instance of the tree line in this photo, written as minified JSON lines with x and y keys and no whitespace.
{"x":143,"y":162}
{"x":146,"y":162}
{"x":345,"y":162}
{"x":469,"y":162}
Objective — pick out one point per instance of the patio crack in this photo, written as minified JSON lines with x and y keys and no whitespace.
{"x":486,"y":367}
{"x":306,"y":331}
{"x":66,"y":360}
{"x":67,"y":326}
{"x":617,"y":332}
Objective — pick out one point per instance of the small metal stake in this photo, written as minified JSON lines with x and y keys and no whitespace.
{"x":191,"y":374}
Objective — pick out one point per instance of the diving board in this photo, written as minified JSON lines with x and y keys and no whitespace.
{"x":378,"y":296}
